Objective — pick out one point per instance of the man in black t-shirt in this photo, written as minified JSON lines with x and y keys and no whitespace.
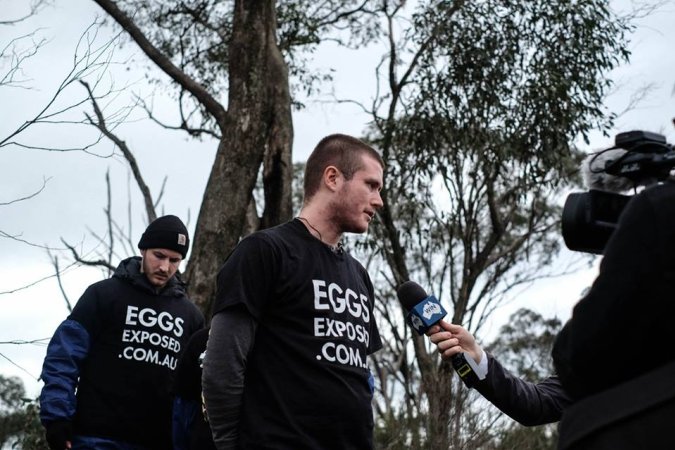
{"x":293,"y":323}
{"x":109,"y":366}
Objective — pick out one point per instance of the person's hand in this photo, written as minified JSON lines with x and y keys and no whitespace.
{"x":453,"y":339}
{"x":59,"y":434}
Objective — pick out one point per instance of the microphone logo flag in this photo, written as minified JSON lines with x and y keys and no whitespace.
{"x":425,"y":314}
{"x":430,"y":309}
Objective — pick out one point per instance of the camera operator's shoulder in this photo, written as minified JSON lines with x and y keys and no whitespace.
{"x":659,"y":193}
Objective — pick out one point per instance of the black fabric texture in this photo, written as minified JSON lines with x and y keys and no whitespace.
{"x":623,"y":327}
{"x":622,"y":331}
{"x":636,"y":414}
{"x":137,"y":334}
{"x":231,"y":338}
{"x":188,"y":384}
{"x":58,"y":433}
{"x":528,"y":403}
{"x":166,"y":232}
{"x":306,"y":382}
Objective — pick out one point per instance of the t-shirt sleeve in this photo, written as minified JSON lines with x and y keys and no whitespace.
{"x":247,"y":276}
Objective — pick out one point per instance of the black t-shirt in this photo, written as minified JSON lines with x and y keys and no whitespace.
{"x":623,"y":327}
{"x":136,"y":336}
{"x":306,"y":381}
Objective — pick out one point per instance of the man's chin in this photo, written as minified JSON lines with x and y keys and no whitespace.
{"x":158,"y":281}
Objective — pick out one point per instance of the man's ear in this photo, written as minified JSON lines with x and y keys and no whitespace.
{"x":331,"y":177}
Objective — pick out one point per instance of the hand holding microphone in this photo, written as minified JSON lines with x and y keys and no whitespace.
{"x":424,"y":313}
{"x":452,"y":339}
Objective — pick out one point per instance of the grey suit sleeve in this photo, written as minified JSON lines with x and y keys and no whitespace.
{"x":230,"y":340}
{"x":528,"y":403}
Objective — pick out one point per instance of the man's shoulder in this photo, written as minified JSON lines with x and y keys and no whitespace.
{"x":279,"y":236}
{"x":104,"y":287}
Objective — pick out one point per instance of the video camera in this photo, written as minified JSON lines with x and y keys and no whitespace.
{"x":638,"y":158}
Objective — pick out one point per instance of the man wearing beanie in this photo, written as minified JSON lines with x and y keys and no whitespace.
{"x":109,"y":366}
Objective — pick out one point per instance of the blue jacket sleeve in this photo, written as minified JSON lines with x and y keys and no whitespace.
{"x":60,"y":371}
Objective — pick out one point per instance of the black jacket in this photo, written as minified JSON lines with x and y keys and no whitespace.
{"x":528,"y":403}
{"x":109,"y":366}
{"x":622,"y":331}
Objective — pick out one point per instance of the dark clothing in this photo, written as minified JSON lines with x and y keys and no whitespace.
{"x":528,"y":403}
{"x":634,"y":415}
{"x":623,"y":327}
{"x":118,"y":350}
{"x":306,"y":378}
{"x":191,"y":430}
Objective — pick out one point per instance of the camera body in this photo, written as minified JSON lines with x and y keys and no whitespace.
{"x":638,"y":158}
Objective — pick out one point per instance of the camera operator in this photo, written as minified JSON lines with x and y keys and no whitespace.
{"x":622,"y":330}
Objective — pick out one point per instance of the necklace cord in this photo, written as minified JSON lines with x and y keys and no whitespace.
{"x":336,"y":249}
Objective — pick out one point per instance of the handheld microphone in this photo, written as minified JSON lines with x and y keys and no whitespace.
{"x":425,"y":311}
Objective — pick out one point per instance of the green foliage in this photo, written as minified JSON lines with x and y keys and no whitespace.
{"x":195,"y":35}
{"x":480,"y":143}
{"x":485,"y":101}
{"x":19,"y":422}
{"x":525,"y":342}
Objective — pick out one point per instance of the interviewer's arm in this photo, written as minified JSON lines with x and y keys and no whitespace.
{"x":526,"y":402}
{"x":231,"y":338}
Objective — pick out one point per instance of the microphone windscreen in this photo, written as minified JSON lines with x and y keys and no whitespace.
{"x":595,"y":177}
{"x":410,"y":294}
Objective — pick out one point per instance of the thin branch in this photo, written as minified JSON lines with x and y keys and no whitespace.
{"x":57,"y":271}
{"x":21,"y":368}
{"x":44,"y":183}
{"x":201,"y":94}
{"x":78,"y":258}
{"x":41,"y":342}
{"x":93,"y":59}
{"x":15,"y":237}
{"x":196,"y":132}
{"x":35,"y":7}
{"x":128,"y":155}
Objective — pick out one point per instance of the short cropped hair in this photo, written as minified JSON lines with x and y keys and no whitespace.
{"x":341,"y":151}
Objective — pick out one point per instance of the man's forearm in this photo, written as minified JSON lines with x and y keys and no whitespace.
{"x":230,"y":339}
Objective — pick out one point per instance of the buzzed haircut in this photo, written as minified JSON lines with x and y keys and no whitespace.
{"x":341,"y":151}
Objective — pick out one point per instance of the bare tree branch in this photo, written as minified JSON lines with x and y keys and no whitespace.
{"x":19,"y":367}
{"x":203,"y":96}
{"x":44,"y":183}
{"x":94,"y":58}
{"x":34,"y":7}
{"x":17,"y":56}
{"x":195,"y":132}
{"x":78,"y":258}
{"x":128,"y":155}
{"x":57,"y":272}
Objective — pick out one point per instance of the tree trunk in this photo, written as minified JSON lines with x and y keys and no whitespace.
{"x":258,"y":115}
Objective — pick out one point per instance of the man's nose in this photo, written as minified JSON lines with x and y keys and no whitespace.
{"x":164,"y":265}
{"x":377,"y":201}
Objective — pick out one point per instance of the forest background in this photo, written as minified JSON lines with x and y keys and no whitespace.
{"x":481,"y":109}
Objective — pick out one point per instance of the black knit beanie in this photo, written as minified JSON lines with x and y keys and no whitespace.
{"x":166,"y":232}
